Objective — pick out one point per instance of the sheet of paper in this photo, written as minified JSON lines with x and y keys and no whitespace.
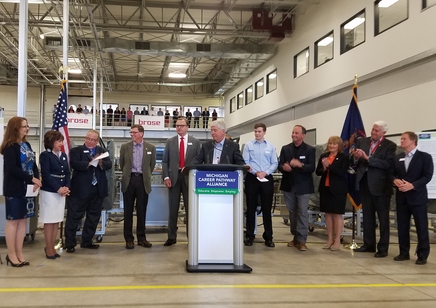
{"x":30,"y":192}
{"x":94,"y":162}
{"x":262,"y":180}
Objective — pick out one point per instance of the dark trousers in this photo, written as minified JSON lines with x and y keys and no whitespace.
{"x":135,"y":190}
{"x":205,"y":122}
{"x":254,"y":189}
{"x":419,"y":212}
{"x":371,"y":206}
{"x":197,"y":122}
{"x":91,"y":206}
{"x":180,"y":187}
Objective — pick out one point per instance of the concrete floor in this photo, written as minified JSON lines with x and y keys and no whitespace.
{"x":282,"y":277}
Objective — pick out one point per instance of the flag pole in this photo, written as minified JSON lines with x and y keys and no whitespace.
{"x":353,"y":245}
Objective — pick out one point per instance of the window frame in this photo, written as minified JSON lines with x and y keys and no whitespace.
{"x":256,"y":96}
{"x":315,"y":47}
{"x":304,"y":51}
{"x":377,"y":18}
{"x":342,"y":37}
{"x":268,"y":83}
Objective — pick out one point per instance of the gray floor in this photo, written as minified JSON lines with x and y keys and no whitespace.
{"x":282,"y":277}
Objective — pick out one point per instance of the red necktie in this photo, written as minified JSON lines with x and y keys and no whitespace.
{"x":182,"y":153}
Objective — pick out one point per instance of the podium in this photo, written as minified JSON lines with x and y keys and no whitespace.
{"x":215,"y":228}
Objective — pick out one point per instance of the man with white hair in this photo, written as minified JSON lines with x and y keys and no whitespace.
{"x":219,"y":150}
{"x":374,"y":157}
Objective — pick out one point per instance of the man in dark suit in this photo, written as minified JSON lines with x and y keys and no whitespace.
{"x":413,"y":169}
{"x":219,"y":150}
{"x":137,"y":161}
{"x":297,"y":163}
{"x":88,"y":189}
{"x":179,"y":152}
{"x":374,"y":157}
{"x":205,"y":115}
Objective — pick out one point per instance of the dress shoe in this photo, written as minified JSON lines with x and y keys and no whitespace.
{"x":381,"y":254}
{"x":364,"y":249}
{"x":421,"y":261}
{"x":12,"y":264}
{"x":248,"y":242}
{"x":293,"y":243}
{"x":402,"y":258}
{"x":269,"y":243}
{"x":170,"y":242}
{"x":145,"y":244}
{"x":25,"y":263}
{"x":130,"y":245}
{"x":47,"y":256}
{"x":71,"y":249}
{"x":90,"y":246}
{"x":57,"y":255}
{"x":302,"y":247}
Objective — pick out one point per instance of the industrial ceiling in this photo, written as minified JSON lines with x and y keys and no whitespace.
{"x":138,"y":43}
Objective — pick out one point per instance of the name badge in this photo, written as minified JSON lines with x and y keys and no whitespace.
{"x":189,"y":143}
{"x":148,"y":153}
{"x":302,"y":157}
{"x":86,"y":151}
{"x":267,"y":152}
{"x":402,"y":159}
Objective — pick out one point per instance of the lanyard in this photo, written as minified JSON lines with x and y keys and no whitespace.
{"x":374,"y":146}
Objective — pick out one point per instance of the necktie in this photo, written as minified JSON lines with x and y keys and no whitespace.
{"x":181,"y":153}
{"x":94,"y":178}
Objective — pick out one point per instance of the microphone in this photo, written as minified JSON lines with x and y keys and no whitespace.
{"x":208,"y":155}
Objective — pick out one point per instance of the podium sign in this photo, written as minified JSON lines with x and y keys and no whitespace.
{"x":215,"y":219}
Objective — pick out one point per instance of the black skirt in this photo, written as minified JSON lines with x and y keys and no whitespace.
{"x":330,"y":203}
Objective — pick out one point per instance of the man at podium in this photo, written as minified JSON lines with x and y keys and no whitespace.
{"x":219,"y":150}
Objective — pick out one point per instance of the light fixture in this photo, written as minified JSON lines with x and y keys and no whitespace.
{"x":354,"y":23}
{"x":249,"y":90}
{"x":260,"y":83}
{"x":75,"y":71}
{"x":386,"y":3}
{"x":325,"y":41}
{"x":241,"y":95}
{"x":176,"y":75}
{"x":42,"y":35}
{"x":18,"y":1}
{"x":272,"y":76}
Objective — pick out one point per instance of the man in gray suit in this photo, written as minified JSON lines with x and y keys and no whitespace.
{"x":179,"y":151}
{"x":137,"y":161}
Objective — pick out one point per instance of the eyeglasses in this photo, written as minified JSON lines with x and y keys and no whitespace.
{"x":91,"y":139}
{"x":134,"y":133}
{"x":181,"y":125}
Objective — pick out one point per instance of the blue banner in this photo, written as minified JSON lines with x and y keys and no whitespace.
{"x":216,"y":182}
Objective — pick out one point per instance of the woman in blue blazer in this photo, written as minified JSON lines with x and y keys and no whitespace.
{"x":19,"y":170}
{"x":333,"y":188}
{"x":55,"y":173}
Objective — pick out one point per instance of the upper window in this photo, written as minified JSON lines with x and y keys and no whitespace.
{"x":232,"y":104}
{"x":271,"y":81}
{"x":353,"y":32}
{"x":301,"y":63}
{"x":428,"y":3}
{"x":389,"y":13}
{"x":259,"y":89}
{"x":240,"y":100}
{"x":249,"y":95}
{"x":324,"y":49}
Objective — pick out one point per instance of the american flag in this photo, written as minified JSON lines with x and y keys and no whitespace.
{"x":60,"y":121}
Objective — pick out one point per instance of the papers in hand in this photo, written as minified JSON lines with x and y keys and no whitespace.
{"x":30,"y":192}
{"x":94,"y":162}
{"x":262,"y":180}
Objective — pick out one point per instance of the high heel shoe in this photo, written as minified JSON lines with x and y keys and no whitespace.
{"x":25,"y":263}
{"x":12,"y":264}
{"x":333,"y":248}
{"x":327,"y":246}
{"x":49,"y":257}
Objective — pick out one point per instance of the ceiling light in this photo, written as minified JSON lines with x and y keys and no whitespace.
{"x":325,"y":41}
{"x":176,"y":75}
{"x":241,"y":95}
{"x":75,"y":71}
{"x":260,"y":83}
{"x":354,"y":23}
{"x":272,"y":76}
{"x":386,"y":3}
{"x":249,"y":90}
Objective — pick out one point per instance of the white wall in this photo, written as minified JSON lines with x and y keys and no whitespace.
{"x":410,"y":108}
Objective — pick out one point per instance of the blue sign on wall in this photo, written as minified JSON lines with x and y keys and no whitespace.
{"x":216,"y":182}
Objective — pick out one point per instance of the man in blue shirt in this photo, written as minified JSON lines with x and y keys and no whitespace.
{"x":261,"y":156}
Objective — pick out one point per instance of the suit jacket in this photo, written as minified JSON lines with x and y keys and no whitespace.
{"x":337,"y":174}
{"x":378,"y":168}
{"x":55,"y":171}
{"x":15,"y":179}
{"x":170,"y":161}
{"x":419,"y":173}
{"x":148,"y":163}
{"x":300,"y":178}
{"x":229,"y":155}
{"x":81,"y":180}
